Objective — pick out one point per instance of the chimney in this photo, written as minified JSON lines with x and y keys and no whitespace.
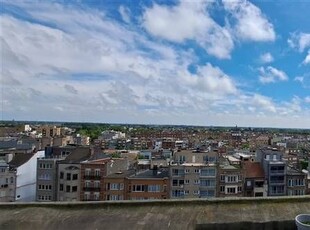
{"x":155,"y":169}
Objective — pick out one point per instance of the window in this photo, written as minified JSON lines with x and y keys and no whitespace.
{"x":97,"y":184}
{"x":222,"y":188}
{"x":97,"y":172}
{"x":61,"y":176}
{"x":61,"y":187}
{"x":74,"y":188}
{"x":138,"y":188}
{"x":86,"y":196}
{"x":239,"y":177}
{"x":248,"y":183}
{"x":96,"y":196}
{"x":208,"y":183}
{"x":121,"y":186}
{"x":153,"y":188}
{"x":231,"y":190}
{"x":186,"y":182}
{"x":208,"y":172}
{"x":40,"y":187}
{"x":196,"y":192}
{"x":74,"y":176}
{"x":222,"y":178}
{"x":197,"y":170}
{"x":68,"y":176}
{"x":174,"y":182}
{"x":186,"y":192}
{"x":87,"y":184}
{"x":114,"y":186}
{"x":196,"y":181}
{"x":87,"y":172}
{"x":187,"y":170}
{"x":11,"y":180}
{"x":3,"y":170}
{"x":67,"y":188}
{"x":239,"y":189}
{"x":231,"y":179}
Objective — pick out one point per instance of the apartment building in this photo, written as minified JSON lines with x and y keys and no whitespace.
{"x":274,"y":169}
{"x":194,"y":175}
{"x":69,"y":174}
{"x":7,"y":182}
{"x":47,"y":179}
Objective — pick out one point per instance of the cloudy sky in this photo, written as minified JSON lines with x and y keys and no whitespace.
{"x":227,"y":63}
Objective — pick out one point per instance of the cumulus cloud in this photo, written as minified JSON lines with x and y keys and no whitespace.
{"x":188,"y":21}
{"x":266,"y":58}
{"x":271,"y":74}
{"x":307,"y":59}
{"x":299,"y":41}
{"x":251,"y":24}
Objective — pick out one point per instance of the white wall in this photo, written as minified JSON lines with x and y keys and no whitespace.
{"x":26,"y":176}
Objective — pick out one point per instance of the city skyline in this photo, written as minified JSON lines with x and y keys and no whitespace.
{"x":220,"y":63}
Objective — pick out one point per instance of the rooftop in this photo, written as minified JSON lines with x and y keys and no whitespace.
{"x":253,"y":170}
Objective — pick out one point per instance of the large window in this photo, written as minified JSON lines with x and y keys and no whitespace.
{"x":208,"y":172}
{"x":207,"y":183}
{"x":154,"y":188}
{"x":139,"y":188}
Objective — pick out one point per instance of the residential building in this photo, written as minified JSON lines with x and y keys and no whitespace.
{"x":274,"y":169}
{"x":296,"y":182}
{"x":148,"y":185}
{"x":254,"y":179}
{"x":7,"y":182}
{"x":230,"y":179}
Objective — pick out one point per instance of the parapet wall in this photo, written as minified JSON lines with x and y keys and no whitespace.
{"x":239,"y":213}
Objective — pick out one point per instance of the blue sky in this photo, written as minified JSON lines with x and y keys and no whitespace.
{"x":243,"y":63}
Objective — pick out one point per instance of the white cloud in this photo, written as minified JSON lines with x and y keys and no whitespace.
{"x":125,"y":13}
{"x":307,"y":99}
{"x":188,"y":21}
{"x":307,"y":59}
{"x":264,"y":102}
{"x":271,"y":74}
{"x":266,"y":58}
{"x":251,"y":24}
{"x":299,"y":41}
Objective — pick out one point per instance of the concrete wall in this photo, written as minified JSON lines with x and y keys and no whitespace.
{"x":238,"y":213}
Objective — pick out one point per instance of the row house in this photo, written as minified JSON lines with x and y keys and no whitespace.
{"x":230,"y":180}
{"x":131,"y":185}
{"x":94,"y":173}
{"x":255,"y":184}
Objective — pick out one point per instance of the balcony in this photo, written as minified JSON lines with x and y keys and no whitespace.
{"x":91,"y":189}
{"x":92,"y":177}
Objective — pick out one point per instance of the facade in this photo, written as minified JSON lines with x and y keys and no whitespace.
{"x":115,"y":185}
{"x":254,"y":180}
{"x":68,"y":184}
{"x":193,"y":179}
{"x":7,"y":183}
{"x":230,"y":180}
{"x":148,"y":185}
{"x":274,"y":169}
{"x":46,"y":179}
{"x":92,"y":174}
{"x":296,"y":182}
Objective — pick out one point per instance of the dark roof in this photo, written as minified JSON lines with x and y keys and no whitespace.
{"x":20,"y":159}
{"x":14,"y":144}
{"x":98,"y":156}
{"x":253,"y":170}
{"x":294,"y":172}
{"x":79,"y":154}
{"x":159,"y":173}
{"x":121,"y":174}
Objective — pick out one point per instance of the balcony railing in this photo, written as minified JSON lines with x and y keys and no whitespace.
{"x":91,"y":189}
{"x":92,"y":177}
